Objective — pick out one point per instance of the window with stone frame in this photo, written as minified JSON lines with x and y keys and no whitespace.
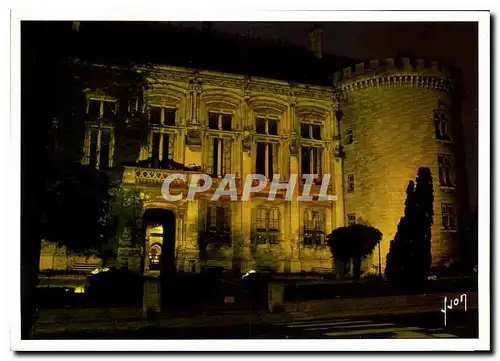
{"x":349,"y":136}
{"x":266,"y":159}
{"x":133,"y":105}
{"x":266,"y":225}
{"x":310,"y":130}
{"x":444,"y":168}
{"x":99,"y":147}
{"x":266,"y":125}
{"x":219,"y":156}
{"x":351,"y":219}
{"x":220,"y":121}
{"x":162,"y":115}
{"x":442,"y":125}
{"x":218,"y":226}
{"x":314,"y":227}
{"x":448,"y":217}
{"x":311,"y":158}
{"x":350,"y":183}
{"x":161,"y":146}
{"x":101,"y":108}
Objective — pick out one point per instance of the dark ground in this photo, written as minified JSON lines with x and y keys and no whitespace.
{"x":428,"y":325}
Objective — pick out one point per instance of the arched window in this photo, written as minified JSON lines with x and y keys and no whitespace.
{"x":154,"y":256}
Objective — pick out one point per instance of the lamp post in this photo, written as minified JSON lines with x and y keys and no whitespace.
{"x":379,"y":263}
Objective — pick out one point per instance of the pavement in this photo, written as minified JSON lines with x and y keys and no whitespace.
{"x":409,"y":326}
{"x":427,"y":325}
{"x":349,"y":312}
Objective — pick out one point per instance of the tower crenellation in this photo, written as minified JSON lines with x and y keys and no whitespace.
{"x":394,"y":72}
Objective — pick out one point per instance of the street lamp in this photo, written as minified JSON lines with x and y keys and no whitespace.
{"x":379,"y":263}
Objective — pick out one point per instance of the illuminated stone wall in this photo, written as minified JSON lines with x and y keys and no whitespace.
{"x":194,"y":95}
{"x":388,"y":108}
{"x":57,"y":258}
{"x":390,"y":111}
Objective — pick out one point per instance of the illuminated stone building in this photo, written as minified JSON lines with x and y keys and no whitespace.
{"x":370,"y":127}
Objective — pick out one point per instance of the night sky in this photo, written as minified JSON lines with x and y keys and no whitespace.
{"x":452,"y":43}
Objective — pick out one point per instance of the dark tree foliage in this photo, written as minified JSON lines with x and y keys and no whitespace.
{"x":76,"y":201}
{"x":409,"y":258}
{"x":353,"y":242}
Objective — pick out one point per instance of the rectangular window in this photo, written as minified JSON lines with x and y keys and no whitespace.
{"x":448,"y":217}
{"x":219,"y":226}
{"x":170,"y":116}
{"x":226,"y":120}
{"x":444,"y":167}
{"x":267,"y":126}
{"x":105,"y":149}
{"x":310,"y":159}
{"x":314,"y":231}
{"x":349,"y":137}
{"x":155,"y":115}
{"x":316,"y":131}
{"x":218,"y":223}
{"x":100,"y":148}
{"x":272,"y":126}
{"x":213,"y":120}
{"x":266,"y":161}
{"x":94,"y":133}
{"x":310,"y":131}
{"x":162,"y":145}
{"x":441,"y":125}
{"x":260,"y":125}
{"x":220,"y":121}
{"x":108,"y":109}
{"x":350,"y":183}
{"x":266,"y":223}
{"x":261,"y":158}
{"x":219,"y":157}
{"x":304,"y":130}
{"x":305,"y":160}
{"x":351,"y":219}
{"x":133,"y":105}
{"x":156,"y":146}
{"x":94,"y":108}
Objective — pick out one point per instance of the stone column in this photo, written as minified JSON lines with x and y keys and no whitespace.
{"x":237,"y":236}
{"x":190,"y":106}
{"x":197,"y":105}
{"x":151,"y":302}
{"x":246,"y":214}
{"x":294,"y":223}
{"x":86,"y":145}
{"x":190,"y":244}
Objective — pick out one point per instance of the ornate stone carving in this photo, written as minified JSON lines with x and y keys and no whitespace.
{"x":170,"y":100}
{"x":294,"y":147}
{"x":193,"y":137}
{"x":247,"y":138}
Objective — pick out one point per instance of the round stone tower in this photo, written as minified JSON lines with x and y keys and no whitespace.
{"x":396,"y":117}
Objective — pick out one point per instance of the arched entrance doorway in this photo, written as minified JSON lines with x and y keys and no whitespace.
{"x":159,"y":242}
{"x":159,"y":250}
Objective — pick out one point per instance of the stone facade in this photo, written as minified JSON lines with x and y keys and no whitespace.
{"x":376,"y":125}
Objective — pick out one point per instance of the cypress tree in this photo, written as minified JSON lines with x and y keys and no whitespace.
{"x":409,"y":257}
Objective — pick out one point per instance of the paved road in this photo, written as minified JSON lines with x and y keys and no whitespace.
{"x":428,"y":325}
{"x":431,"y":325}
